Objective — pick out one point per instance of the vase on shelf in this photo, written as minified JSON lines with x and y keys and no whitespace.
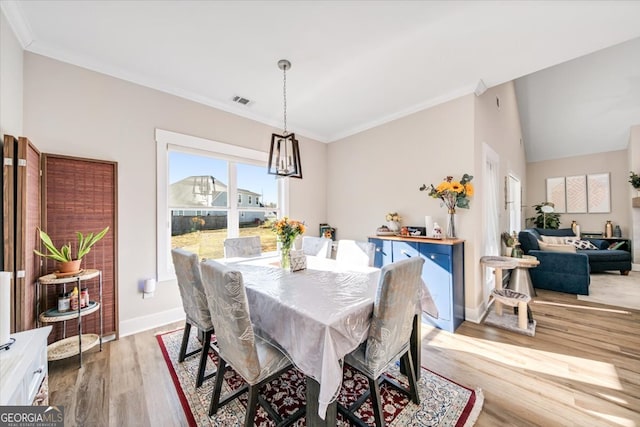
{"x":608,"y":229}
{"x":617,"y":231}
{"x":451,"y":224}
{"x":285,"y":256}
{"x":394,"y":226}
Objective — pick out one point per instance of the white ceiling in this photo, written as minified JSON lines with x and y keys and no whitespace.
{"x":356,"y":64}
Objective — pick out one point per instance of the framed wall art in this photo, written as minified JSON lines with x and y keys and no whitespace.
{"x":556,"y":193}
{"x":598,"y":193}
{"x":576,"y":187}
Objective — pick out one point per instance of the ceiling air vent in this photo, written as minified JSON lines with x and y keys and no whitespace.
{"x":241,"y":100}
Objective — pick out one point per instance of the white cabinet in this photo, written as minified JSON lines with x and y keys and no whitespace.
{"x":23,"y":367}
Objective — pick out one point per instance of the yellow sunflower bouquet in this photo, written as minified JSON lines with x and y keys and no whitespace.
{"x":452,"y":193}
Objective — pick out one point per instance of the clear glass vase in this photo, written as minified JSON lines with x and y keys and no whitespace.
{"x":451,"y":224}
{"x":285,"y":258}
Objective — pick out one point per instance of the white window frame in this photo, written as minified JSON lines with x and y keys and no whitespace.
{"x":514,"y":199}
{"x":165,"y":140}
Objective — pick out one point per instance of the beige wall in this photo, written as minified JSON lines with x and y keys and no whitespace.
{"x":380,"y":170}
{"x":11,"y":64}
{"x":73,"y":111}
{"x":614,"y":162}
{"x":634,"y":165}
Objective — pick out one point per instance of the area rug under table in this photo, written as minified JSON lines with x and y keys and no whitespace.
{"x":442,"y":402}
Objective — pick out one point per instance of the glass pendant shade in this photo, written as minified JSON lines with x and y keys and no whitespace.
{"x":284,"y":156}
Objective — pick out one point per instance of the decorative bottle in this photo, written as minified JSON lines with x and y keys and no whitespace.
{"x":617,"y":231}
{"x":608,"y":229}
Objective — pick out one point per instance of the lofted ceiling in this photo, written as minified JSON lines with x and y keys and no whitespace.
{"x":356,"y":64}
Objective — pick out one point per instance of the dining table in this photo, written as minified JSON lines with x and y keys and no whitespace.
{"x":316,"y":316}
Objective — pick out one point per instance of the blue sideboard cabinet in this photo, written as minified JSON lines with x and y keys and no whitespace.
{"x":443,"y":272}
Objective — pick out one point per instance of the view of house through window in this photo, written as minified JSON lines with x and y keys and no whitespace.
{"x":200,"y":188}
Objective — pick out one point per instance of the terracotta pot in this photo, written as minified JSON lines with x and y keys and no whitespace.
{"x":69,"y":266}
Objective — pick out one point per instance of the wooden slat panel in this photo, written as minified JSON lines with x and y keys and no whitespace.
{"x":30,"y":263}
{"x":81,"y":195}
{"x":8,"y":213}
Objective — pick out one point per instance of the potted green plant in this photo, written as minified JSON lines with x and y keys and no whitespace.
{"x":68,"y":262}
{"x":545,"y":219}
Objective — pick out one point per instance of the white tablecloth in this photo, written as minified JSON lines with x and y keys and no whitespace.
{"x":316,"y":316}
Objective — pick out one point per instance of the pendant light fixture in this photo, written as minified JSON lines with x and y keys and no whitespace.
{"x":284,"y":154}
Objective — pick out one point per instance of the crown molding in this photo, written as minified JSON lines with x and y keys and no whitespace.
{"x":403,"y":113}
{"x":17,"y":21}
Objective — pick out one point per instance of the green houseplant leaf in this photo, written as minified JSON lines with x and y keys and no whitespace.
{"x":65,"y":253}
{"x":542,"y":220}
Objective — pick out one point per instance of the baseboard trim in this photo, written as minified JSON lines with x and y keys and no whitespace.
{"x":477,"y":314}
{"x":143,"y":323}
{"x":635,"y":267}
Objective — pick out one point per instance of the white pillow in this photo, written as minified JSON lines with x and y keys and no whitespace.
{"x":550,"y":247}
{"x":581,"y":244}
{"x":556,"y":240}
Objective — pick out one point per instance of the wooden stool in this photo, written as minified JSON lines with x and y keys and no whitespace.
{"x":499,"y":263}
{"x":513,"y":299}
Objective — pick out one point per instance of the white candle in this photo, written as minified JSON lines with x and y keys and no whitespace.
{"x":5,"y":306}
{"x":428,"y":224}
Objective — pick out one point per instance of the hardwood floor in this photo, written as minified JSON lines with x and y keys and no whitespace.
{"x":581,"y":369}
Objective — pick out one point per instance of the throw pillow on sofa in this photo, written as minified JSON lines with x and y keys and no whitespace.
{"x":551,"y":247}
{"x":616,"y":245}
{"x":581,"y":244}
{"x":554,"y":240}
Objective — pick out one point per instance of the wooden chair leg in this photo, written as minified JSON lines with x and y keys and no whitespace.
{"x":252,"y":404}
{"x":411,"y":376}
{"x":215,"y":397}
{"x":204,"y":356}
{"x":185,"y":342}
{"x":376,"y":402}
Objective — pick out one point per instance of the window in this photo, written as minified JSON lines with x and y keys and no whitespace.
{"x":514,"y":201}
{"x":197,"y":179}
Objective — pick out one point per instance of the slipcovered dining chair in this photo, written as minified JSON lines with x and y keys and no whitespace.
{"x":316,"y":246}
{"x":396,"y":304}
{"x":194,"y":302}
{"x":356,"y":253}
{"x":254,"y":359}
{"x":242,"y":247}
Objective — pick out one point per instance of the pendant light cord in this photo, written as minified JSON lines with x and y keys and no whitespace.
{"x":284,"y":93}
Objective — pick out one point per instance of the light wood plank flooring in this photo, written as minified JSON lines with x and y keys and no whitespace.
{"x":581,"y":369}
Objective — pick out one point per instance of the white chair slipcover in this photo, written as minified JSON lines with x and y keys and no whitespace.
{"x":316,"y":246}
{"x":242,"y":247}
{"x":389,"y":337}
{"x":356,"y":253}
{"x":195,"y":306}
{"x":251,"y":357}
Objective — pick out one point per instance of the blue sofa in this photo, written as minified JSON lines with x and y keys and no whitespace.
{"x":569,"y":272}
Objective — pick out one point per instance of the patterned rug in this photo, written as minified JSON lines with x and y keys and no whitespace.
{"x":442,"y":402}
